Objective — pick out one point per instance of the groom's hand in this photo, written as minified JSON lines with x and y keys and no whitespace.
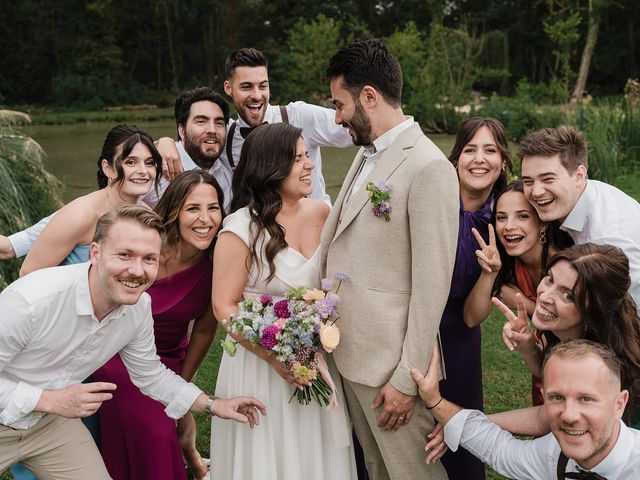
{"x":398,"y":407}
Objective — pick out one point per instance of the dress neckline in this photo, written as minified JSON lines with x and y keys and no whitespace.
{"x":302,"y":254}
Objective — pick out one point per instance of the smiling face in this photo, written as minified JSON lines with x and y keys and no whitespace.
{"x":584,"y":405}
{"x":480,"y":163}
{"x":350,"y":114}
{"x":124,"y":265}
{"x":518,"y":226}
{"x":298,"y":183}
{"x":204,"y":133}
{"x":199,"y":217}
{"x":556,"y":310}
{"x":550,"y":188}
{"x":139,"y":172}
{"x":248,"y":88}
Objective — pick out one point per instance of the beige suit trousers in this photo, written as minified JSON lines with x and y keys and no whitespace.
{"x":392,"y":455}
{"x":55,"y":448}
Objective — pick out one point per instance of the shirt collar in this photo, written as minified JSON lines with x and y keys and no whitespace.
{"x":612,"y":465}
{"x":84,"y":306}
{"x":578,"y":216}
{"x":385,"y":140}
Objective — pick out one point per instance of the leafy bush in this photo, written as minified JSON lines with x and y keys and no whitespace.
{"x":27,"y":191}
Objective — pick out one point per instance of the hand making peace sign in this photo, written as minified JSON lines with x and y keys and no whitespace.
{"x":516,"y":333}
{"x":488,"y":255}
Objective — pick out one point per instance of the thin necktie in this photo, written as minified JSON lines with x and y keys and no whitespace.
{"x":584,"y":475}
{"x":245,"y":131}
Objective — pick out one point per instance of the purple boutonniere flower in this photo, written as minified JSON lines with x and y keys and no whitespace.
{"x":379,"y":195}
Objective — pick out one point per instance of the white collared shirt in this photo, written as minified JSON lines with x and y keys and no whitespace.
{"x":50,"y":338}
{"x":373,"y":154}
{"x":319,"y":129}
{"x":221,"y":171}
{"x":535,"y":459}
{"x":606,"y":215}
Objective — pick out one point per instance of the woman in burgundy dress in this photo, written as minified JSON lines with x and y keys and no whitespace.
{"x":481,"y":157}
{"x":139,"y":441}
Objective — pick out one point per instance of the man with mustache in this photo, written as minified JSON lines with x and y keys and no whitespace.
{"x":41,"y":364}
{"x":584,"y":402}
{"x":248,"y":86}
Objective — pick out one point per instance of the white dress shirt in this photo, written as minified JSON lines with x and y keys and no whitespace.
{"x":319,"y":129}
{"x":373,"y":154}
{"x":221,"y":170}
{"x":535,"y":459}
{"x":606,"y":215}
{"x":50,"y":338}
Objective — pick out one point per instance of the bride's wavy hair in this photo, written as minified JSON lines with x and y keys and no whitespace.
{"x":266,"y":159}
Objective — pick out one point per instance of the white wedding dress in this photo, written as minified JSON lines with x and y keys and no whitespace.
{"x":293,"y":441}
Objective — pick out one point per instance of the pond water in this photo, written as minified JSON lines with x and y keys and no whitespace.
{"x":73,"y":152}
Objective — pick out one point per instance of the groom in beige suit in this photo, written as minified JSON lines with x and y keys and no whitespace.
{"x":400,"y":269}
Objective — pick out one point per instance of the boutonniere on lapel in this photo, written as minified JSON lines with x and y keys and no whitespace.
{"x":379,"y":197}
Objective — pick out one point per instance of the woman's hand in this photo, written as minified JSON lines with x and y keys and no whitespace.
{"x":516,"y":333}
{"x":284,"y":373}
{"x":488,"y":255}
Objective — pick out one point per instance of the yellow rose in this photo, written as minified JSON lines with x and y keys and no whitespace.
{"x":329,"y":337}
{"x":313,"y":295}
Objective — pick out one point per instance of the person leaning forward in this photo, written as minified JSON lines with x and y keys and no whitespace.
{"x":584,"y":403}
{"x":58,"y":325}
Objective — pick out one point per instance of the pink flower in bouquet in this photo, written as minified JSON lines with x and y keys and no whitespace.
{"x":268,"y":338}
{"x":266,"y":299}
{"x":281,"y":309}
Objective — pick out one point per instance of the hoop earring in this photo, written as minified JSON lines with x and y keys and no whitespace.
{"x":543,"y":237}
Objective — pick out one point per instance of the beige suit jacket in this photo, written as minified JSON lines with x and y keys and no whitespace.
{"x":400,"y":270}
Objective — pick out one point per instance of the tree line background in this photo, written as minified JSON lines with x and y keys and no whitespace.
{"x":91,"y":54}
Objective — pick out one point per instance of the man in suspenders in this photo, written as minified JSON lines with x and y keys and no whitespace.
{"x":248,"y":86}
{"x":584,"y":404}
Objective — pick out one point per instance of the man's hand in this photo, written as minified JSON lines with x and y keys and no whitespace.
{"x":171,"y":164}
{"x":75,"y":401}
{"x":6,"y":249}
{"x":429,"y":385}
{"x":398,"y":407}
{"x":240,"y":409}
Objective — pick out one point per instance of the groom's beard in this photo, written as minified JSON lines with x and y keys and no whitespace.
{"x":204,"y":155}
{"x":360,"y":126}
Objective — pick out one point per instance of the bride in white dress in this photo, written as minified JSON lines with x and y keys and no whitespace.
{"x":269,"y":246}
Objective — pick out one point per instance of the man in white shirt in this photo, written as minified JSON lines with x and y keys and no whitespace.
{"x":248,"y":86}
{"x":201,"y":116}
{"x":58,"y":325}
{"x":584,"y":403}
{"x":554,"y":175}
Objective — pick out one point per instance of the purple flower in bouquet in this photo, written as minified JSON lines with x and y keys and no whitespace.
{"x":268,"y":338}
{"x":326,"y":284}
{"x":342,"y":277}
{"x":266,"y":299}
{"x":281,"y":309}
{"x":327,"y":305}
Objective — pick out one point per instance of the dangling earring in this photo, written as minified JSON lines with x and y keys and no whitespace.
{"x":543,"y":236}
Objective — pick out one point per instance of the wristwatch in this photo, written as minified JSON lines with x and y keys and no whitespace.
{"x":209,"y":404}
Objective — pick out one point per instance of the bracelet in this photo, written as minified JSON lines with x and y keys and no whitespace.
{"x":209,"y":404}
{"x":437,"y":403}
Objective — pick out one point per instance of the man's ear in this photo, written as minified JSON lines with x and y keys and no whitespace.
{"x":621,"y":402}
{"x":369,"y":96}
{"x":181,"y":133}
{"x":227,"y":87}
{"x":581,"y":174}
{"x":94,"y":253}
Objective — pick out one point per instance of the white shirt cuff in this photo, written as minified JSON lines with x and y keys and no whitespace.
{"x":453,"y":429}
{"x":183,"y":402}
{"x":24,"y":400}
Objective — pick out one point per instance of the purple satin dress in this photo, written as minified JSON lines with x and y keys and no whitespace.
{"x":461,"y":344}
{"x":139,"y":441}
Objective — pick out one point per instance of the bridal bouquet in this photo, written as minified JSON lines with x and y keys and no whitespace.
{"x":295,"y":329}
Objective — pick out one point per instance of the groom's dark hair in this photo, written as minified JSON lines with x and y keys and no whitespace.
{"x":368,"y":62}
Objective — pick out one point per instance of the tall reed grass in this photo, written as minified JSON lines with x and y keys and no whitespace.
{"x":27,"y":191}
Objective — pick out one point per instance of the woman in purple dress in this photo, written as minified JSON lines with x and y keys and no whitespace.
{"x":139,"y":441}
{"x":481,"y":157}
